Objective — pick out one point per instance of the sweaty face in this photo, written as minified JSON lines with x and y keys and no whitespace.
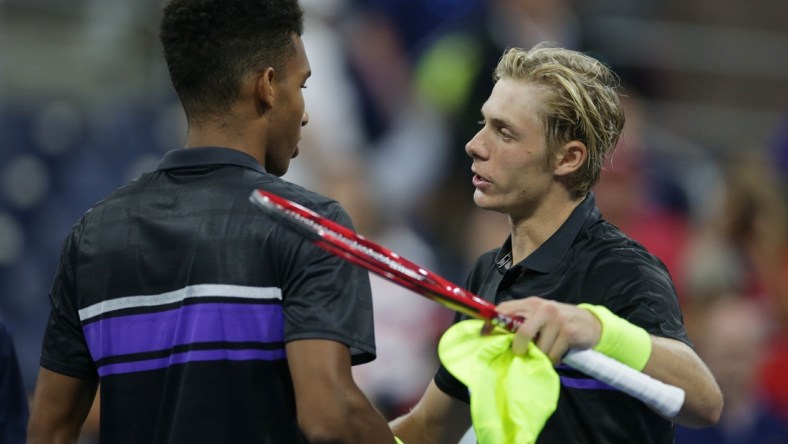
{"x":288,"y":114}
{"x":510,"y":166}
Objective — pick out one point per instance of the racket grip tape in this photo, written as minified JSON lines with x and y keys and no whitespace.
{"x":664,"y":398}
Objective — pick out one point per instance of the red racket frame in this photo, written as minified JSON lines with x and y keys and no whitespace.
{"x":359,"y":250}
{"x":355,"y":248}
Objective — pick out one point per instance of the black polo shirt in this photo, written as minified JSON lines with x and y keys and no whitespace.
{"x":180,"y":295}
{"x":587,"y":260}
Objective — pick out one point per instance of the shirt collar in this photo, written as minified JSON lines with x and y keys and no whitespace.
{"x":550,"y":253}
{"x":208,"y":155}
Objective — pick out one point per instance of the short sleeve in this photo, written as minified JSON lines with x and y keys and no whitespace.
{"x":451,"y":385}
{"x":638,"y":288}
{"x":64,"y":348}
{"x":326,"y":297}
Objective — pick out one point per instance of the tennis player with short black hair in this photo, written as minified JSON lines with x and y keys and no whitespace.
{"x":551,"y":120}
{"x":204,"y":320}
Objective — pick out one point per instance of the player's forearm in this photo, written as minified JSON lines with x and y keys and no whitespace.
{"x":675,"y":363}
{"x":370,"y":426}
{"x":436,"y":419}
{"x":346,"y":421}
{"x":340,"y":413}
{"x":409,"y":429}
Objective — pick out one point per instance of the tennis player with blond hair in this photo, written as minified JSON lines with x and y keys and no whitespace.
{"x":552,"y":119}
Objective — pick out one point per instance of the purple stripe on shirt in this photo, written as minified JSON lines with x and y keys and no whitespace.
{"x":189,"y":324}
{"x":584,"y":383}
{"x":191,"y":356}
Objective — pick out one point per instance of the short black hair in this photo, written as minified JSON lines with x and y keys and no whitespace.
{"x":211,"y":45}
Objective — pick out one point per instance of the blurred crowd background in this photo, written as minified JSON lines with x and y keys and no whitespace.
{"x":700,"y":176}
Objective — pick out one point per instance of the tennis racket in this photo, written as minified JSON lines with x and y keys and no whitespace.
{"x":355,"y":248}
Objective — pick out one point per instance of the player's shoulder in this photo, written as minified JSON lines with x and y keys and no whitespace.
{"x":607,"y":247}
{"x":95,"y":215}
{"x":609,"y":236}
{"x":319,"y":203}
{"x":120,"y":195}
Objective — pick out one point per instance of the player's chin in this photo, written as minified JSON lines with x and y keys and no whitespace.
{"x":486,"y":202}
{"x":481,"y":200}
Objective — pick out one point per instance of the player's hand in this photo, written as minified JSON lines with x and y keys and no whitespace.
{"x":554,"y":327}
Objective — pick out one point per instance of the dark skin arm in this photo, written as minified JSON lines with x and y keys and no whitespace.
{"x":330,"y":406}
{"x":59,"y":408}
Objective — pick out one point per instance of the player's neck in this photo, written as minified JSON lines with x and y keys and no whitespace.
{"x":531,"y":231}
{"x":225,"y":136}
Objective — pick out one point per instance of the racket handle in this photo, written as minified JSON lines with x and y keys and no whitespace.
{"x":664,"y":398}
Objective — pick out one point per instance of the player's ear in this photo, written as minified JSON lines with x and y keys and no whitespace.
{"x":265,"y":88}
{"x":570,"y":158}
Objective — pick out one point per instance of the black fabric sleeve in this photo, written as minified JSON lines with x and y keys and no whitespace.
{"x":64,"y":348}
{"x":326,"y":297}
{"x":638,"y":287}
{"x":450,"y":385}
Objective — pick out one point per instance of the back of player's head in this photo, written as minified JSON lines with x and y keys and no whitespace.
{"x":211,"y":45}
{"x":583,"y":103}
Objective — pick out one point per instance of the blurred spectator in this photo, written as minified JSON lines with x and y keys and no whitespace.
{"x":13,"y":396}
{"x":755,"y":220}
{"x":731,"y":338}
{"x":418,"y":18}
{"x":779,"y":152}
{"x":407,"y":143}
{"x":332,"y":98}
{"x":775,"y":367}
{"x":743,"y":249}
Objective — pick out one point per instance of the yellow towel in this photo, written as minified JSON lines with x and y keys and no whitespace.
{"x":512,"y":396}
